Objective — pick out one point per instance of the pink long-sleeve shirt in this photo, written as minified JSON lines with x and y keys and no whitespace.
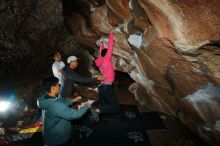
{"x":105,"y":64}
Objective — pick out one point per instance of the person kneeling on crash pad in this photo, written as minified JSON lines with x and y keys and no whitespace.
{"x":57,"y":115}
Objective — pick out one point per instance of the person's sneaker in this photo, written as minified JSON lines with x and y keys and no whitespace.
{"x":95,"y":116}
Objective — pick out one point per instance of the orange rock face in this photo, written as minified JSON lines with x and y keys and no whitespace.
{"x":170,"y":48}
{"x":188,"y":24}
{"x":119,"y":7}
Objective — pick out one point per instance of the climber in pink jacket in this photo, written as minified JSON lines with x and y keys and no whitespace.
{"x":104,"y":62}
{"x":107,"y":98}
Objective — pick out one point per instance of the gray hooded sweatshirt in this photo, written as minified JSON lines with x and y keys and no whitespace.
{"x":57,"y":116}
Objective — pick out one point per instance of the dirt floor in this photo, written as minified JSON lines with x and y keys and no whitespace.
{"x":176,"y":135}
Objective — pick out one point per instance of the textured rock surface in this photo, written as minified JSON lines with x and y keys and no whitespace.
{"x":188,"y":24}
{"x":170,"y":49}
{"x":29,"y":32}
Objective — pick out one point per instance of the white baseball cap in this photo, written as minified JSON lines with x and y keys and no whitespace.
{"x":71,"y":58}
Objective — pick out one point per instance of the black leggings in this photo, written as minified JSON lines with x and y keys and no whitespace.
{"x":108,"y":103}
{"x":67,"y":143}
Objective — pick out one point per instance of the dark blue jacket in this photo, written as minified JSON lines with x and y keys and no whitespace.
{"x":70,"y":77}
{"x":56,"y":117}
